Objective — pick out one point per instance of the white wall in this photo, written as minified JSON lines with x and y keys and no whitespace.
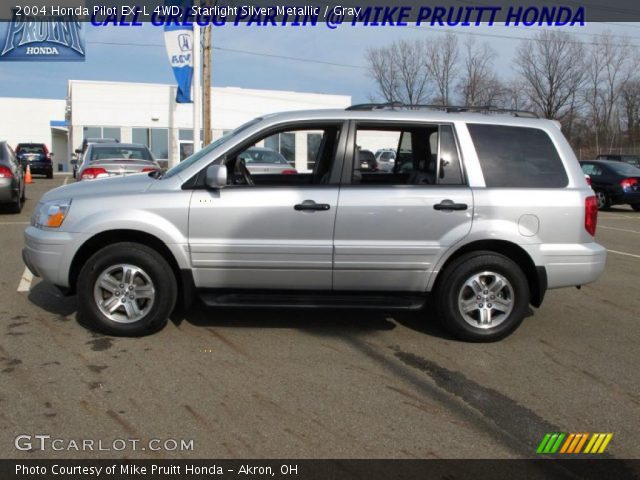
{"x":27,"y":120}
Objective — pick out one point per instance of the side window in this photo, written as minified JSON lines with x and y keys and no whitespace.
{"x":517,"y":157}
{"x":424,"y":155}
{"x":283,"y":158}
{"x":449,"y":171}
{"x":587,"y":168}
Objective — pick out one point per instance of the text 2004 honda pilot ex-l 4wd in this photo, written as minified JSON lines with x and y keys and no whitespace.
{"x":482,"y":213}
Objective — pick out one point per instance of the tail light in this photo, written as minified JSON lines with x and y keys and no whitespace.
{"x":627,"y":183}
{"x":588,"y":179}
{"x":291,"y":171}
{"x":92,"y":173}
{"x":591,"y":215}
{"x":5,"y":172}
{"x":149,"y":169}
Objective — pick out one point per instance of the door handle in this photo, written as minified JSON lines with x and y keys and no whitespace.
{"x":448,"y":205}
{"x":310,"y":205}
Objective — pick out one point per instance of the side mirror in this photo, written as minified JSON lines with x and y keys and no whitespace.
{"x":51,"y":154}
{"x":74,"y":162}
{"x":78,"y":151}
{"x":216,"y":176}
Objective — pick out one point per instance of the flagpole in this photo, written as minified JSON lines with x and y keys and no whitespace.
{"x":197,"y":89}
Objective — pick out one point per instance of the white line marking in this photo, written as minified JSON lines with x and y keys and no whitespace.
{"x":66,"y":179}
{"x":14,"y":223}
{"x":624,"y":253}
{"x":25,"y":281}
{"x":618,"y":229}
{"x":612,"y":216}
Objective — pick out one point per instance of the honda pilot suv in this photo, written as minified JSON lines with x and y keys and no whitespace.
{"x":481,"y":214}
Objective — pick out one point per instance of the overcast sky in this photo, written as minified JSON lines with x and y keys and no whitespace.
{"x":138,"y":55}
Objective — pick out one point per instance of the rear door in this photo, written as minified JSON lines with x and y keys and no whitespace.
{"x":392,"y":227}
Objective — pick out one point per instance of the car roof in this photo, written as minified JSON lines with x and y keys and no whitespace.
{"x":601,"y":162}
{"x":118,"y":144}
{"x":425,"y":115}
{"x":31,"y":144}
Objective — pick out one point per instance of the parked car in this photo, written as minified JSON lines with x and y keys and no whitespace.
{"x":632,"y":159}
{"x":81,"y":151}
{"x":37,"y":157}
{"x":261,"y":160}
{"x":614,"y":182}
{"x":386,"y":159}
{"x":12,"y":187}
{"x":483,"y":234}
{"x":103,"y":160}
{"x":367,"y":161}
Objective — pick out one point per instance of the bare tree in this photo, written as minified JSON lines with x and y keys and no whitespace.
{"x":478,"y":84}
{"x":607,"y":72}
{"x":551,"y":68}
{"x":399,"y":73}
{"x":442,"y":65}
{"x":382,"y":69}
{"x":630,"y":105}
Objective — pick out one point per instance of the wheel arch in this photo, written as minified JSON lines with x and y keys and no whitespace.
{"x":536,"y":275}
{"x":184,"y":279}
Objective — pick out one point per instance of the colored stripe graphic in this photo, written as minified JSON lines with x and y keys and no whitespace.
{"x":573,"y":443}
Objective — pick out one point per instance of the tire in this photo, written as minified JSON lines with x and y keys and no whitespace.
{"x":636,"y":207}
{"x":50,"y":175}
{"x":103,"y":277}
{"x":16,"y":206}
{"x":604,"y":202}
{"x":454,"y":291}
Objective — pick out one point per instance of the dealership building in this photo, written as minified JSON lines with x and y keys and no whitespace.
{"x":148,"y":114}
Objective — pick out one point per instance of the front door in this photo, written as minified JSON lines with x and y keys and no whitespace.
{"x":268,"y":231}
{"x":392,"y":227}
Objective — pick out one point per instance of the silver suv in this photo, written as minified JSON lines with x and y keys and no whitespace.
{"x":481,"y":213}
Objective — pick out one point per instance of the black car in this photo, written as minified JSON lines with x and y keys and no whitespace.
{"x":367,"y":161}
{"x":614,"y":182}
{"x":631,"y":159}
{"x":37,"y":157}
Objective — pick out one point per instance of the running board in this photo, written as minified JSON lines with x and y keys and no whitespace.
{"x":307,"y":300}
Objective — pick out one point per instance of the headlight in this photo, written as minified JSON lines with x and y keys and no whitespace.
{"x":51,"y":214}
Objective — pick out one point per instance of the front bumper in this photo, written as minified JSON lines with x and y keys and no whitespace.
{"x":47,"y":254}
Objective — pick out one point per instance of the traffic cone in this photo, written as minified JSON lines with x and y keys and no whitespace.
{"x":27,"y":178}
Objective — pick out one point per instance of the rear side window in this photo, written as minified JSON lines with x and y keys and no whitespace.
{"x":517,"y":157}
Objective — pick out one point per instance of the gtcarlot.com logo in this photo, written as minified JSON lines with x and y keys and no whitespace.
{"x":574,"y":443}
{"x":58,"y":39}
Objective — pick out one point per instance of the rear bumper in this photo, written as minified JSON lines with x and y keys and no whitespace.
{"x":8,"y":191}
{"x":572,"y":264}
{"x":630,"y":197}
{"x":41,"y":167}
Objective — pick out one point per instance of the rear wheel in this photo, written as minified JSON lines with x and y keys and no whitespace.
{"x":482,"y":297}
{"x":604,"y":203}
{"x":636,"y":207}
{"x":50,"y":175}
{"x":16,"y":206}
{"x":127,"y":289}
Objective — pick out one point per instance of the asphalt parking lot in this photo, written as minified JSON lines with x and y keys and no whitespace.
{"x":331,"y":384}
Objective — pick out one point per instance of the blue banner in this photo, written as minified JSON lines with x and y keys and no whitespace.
{"x":178,"y":40}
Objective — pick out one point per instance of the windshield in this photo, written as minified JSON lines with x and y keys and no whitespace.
{"x":625,"y":169}
{"x":125,"y":153}
{"x":187,"y":162}
{"x":30,"y":149}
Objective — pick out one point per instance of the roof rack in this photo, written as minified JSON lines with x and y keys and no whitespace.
{"x":444,"y":108}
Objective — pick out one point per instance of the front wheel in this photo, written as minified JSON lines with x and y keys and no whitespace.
{"x":482,"y":297}
{"x":126,"y":289}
